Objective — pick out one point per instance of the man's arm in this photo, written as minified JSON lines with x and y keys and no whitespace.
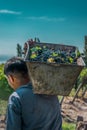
{"x":13,"y":120}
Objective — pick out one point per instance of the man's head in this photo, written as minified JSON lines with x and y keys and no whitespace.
{"x":16,"y":72}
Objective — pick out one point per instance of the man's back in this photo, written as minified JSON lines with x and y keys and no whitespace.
{"x":36,"y":112}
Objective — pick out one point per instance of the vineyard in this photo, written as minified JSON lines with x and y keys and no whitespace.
{"x":74,"y":105}
{"x":67,"y":108}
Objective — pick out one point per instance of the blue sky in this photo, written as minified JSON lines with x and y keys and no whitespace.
{"x":55,"y":21}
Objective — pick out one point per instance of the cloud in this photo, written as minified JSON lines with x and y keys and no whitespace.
{"x":9,"y":12}
{"x":47,"y":19}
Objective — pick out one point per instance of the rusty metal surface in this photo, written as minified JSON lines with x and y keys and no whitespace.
{"x":53,"y":79}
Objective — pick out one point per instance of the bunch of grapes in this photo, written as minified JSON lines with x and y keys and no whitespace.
{"x":51,"y":55}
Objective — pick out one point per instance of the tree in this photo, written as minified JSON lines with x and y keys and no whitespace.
{"x":85,"y":50}
{"x":19,"y":50}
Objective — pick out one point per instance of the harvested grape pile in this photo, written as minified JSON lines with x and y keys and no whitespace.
{"x":53,"y":55}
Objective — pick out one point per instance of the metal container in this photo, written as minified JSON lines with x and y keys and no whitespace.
{"x":52,"y":78}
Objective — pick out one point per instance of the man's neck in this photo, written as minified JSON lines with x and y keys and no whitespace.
{"x":21,"y":83}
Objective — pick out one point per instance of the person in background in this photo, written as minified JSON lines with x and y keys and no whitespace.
{"x":26,"y":110}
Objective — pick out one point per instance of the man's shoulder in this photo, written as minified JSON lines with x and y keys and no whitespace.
{"x":13,"y":96}
{"x":22,"y":93}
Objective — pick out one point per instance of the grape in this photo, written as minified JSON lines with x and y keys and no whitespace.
{"x":51,"y":55}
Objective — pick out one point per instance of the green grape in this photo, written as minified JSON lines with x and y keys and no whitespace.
{"x":53,"y":55}
{"x":33,"y":56}
{"x":70,"y":59}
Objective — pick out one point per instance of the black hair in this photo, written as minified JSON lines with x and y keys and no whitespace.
{"x":15,"y":65}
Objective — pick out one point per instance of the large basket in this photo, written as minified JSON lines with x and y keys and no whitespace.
{"x":52,"y":78}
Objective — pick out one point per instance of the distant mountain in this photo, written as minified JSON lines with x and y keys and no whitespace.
{"x":4,"y":58}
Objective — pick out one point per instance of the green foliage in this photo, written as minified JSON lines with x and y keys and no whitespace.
{"x":5,"y":90}
{"x":83,"y":74}
{"x":19,"y":50}
{"x":3,"y":81}
{"x":3,"y":106}
{"x":4,"y":86}
{"x":68,"y":126}
{"x":1,"y":71}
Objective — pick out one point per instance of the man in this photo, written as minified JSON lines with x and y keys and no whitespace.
{"x":26,"y":110}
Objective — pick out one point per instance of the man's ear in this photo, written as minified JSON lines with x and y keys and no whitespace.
{"x":11,"y":78}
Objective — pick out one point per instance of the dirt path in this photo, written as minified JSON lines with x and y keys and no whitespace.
{"x":2,"y":122}
{"x":70,"y":111}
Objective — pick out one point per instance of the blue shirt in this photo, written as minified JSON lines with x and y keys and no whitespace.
{"x":29,"y":111}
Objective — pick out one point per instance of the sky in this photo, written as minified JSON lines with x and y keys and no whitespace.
{"x":52,"y":21}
